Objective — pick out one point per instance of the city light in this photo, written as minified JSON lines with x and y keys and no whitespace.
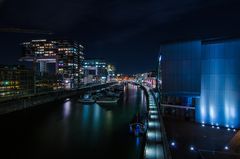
{"x":192,"y":148}
{"x":66,"y":81}
{"x":226,"y":148}
{"x":176,"y":93}
{"x":153,"y":116}
{"x":173,"y":143}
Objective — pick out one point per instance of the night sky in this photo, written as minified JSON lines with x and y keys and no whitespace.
{"x":126,"y":33}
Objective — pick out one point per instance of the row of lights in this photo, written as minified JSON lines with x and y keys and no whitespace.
{"x":192,"y":148}
{"x":217,"y":126}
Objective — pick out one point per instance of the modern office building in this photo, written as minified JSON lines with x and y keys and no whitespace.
{"x":15,"y":80}
{"x":204,"y":74}
{"x":59,"y":57}
{"x":95,"y":70}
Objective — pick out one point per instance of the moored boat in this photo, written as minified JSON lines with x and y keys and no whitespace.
{"x":87,"y":99}
{"x":138,"y":126}
{"x":108,"y":100}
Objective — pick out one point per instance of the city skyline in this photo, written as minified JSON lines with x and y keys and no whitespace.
{"x":120,"y":79}
{"x":115,"y":30}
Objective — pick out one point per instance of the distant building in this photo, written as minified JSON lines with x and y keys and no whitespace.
{"x":60,"y":57}
{"x":147,"y":78}
{"x":204,"y":74}
{"x":15,"y":80}
{"x":95,"y":70}
{"x":111,"y":72}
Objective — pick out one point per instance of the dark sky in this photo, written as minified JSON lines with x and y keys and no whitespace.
{"x":126,"y":33}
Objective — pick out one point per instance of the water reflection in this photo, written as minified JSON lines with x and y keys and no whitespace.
{"x":73,"y":129}
{"x":66,"y":109}
{"x":108,"y":120}
{"x":96,"y":117}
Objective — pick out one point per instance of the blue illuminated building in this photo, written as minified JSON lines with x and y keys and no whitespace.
{"x":204,"y":74}
{"x":180,"y":73}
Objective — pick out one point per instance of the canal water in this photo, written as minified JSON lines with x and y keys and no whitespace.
{"x":68,"y":129}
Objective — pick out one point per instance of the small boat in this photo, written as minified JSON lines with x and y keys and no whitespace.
{"x":138,"y":126}
{"x":108,"y":100}
{"x":137,"y":129}
{"x":67,"y":99}
{"x":113,"y":94}
{"x":87,"y":99}
{"x":119,"y":88}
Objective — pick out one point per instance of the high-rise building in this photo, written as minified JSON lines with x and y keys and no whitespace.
{"x":59,"y":57}
{"x":15,"y":80}
{"x":95,"y":70}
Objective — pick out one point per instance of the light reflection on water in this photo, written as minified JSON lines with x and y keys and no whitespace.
{"x":70,"y":129}
{"x":67,"y":109}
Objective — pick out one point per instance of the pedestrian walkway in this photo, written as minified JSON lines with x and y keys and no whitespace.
{"x":154,"y":145}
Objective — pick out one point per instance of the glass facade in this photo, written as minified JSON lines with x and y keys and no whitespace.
{"x":209,"y":68}
{"x":180,"y":73}
{"x":181,"y":67}
{"x":220,"y":83}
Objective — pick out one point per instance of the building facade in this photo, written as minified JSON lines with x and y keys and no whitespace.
{"x":59,"y":57}
{"x":95,"y":70}
{"x":207,"y":70}
{"x":111,"y":72}
{"x":180,"y":72}
{"x":15,"y":80}
{"x":220,"y":83}
{"x":148,"y":78}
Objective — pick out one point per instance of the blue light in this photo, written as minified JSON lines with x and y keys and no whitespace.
{"x":192,"y":148}
{"x":173,"y":143}
{"x":228,"y":129}
{"x":138,"y":141}
{"x":203,"y":125}
{"x":160,"y":58}
{"x":226,"y":148}
{"x":218,"y":127}
{"x":219,"y":83}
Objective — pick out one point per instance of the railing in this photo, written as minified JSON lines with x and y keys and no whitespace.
{"x":166,"y":151}
{"x":179,"y":111}
{"x":164,"y":141}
